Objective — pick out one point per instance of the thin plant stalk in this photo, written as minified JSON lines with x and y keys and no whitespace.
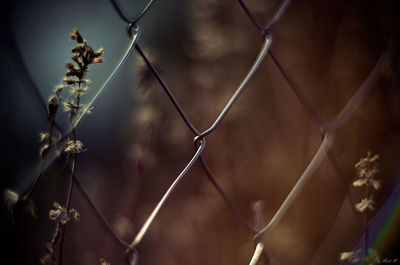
{"x":68,"y":204}
{"x":366,"y":224}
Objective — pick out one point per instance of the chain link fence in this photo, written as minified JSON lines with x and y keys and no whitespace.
{"x":257,"y":230}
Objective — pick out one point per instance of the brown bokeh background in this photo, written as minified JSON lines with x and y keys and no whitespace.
{"x":261,"y":148}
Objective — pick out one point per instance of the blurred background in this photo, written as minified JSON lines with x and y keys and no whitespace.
{"x":137,"y":143}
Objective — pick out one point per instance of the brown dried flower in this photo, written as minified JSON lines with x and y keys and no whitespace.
{"x":376,"y":184}
{"x":52,"y":106}
{"x":61,"y":215}
{"x":30,"y":207}
{"x":74,"y":147}
{"x":83,"y":56}
{"x":43,"y":136}
{"x":49,"y":257}
{"x":351,"y":256}
{"x":103,"y":261}
{"x":367,"y":167}
{"x":366,"y":203}
{"x":70,"y":105}
{"x":44,"y":150}
{"x":75,"y":35}
{"x":10,"y":198}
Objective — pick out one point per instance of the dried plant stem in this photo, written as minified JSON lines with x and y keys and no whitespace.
{"x":71,"y":182}
{"x":83,"y":56}
{"x":366,"y":224}
{"x":63,"y":227}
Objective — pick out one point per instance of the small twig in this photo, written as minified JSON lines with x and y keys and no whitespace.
{"x":68,"y":205}
{"x":366,"y":224}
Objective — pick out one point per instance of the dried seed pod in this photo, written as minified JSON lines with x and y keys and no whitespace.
{"x":52,"y":106}
{"x":10,"y":198}
{"x":44,"y":151}
{"x":75,"y":35}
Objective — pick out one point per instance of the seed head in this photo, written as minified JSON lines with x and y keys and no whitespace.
{"x":52,"y":106}
{"x":74,"y":147}
{"x":60,"y":214}
{"x":366,"y":203}
{"x":10,"y":198}
{"x":75,"y":35}
{"x":103,"y":261}
{"x":44,"y":150}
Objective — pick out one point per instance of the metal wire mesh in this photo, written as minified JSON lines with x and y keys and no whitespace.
{"x":327,"y":128}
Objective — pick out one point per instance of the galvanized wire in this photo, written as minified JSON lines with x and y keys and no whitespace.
{"x":135,"y":19}
{"x":327,"y":129}
{"x":138,"y":238}
{"x":98,"y":213}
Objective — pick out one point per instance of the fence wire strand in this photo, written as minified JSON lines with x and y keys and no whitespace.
{"x":138,"y":238}
{"x":315,"y":118}
{"x":327,"y":129}
{"x":98,"y":213}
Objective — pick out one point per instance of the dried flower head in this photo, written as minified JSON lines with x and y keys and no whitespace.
{"x":30,"y":208}
{"x":99,"y":53}
{"x":83,"y":56}
{"x":351,"y":256}
{"x":89,"y":110}
{"x":103,"y":261}
{"x":366,"y":203}
{"x":52,"y":106}
{"x":49,"y":257}
{"x":58,"y":89}
{"x":10,"y":198}
{"x":80,"y":90}
{"x":74,"y":147}
{"x":75,"y":35}
{"x":44,"y":150}
{"x":367,"y":167}
{"x":376,"y":184}
{"x":69,"y":105}
{"x":43,"y":136}
{"x":73,"y":108}
{"x":74,"y":214}
{"x":61,"y":215}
